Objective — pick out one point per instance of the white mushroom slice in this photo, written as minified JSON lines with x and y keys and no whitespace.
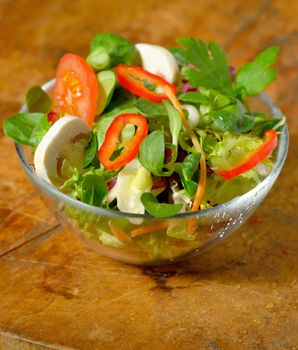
{"x":158,"y":60}
{"x":64,"y":131}
{"x":132,"y":181}
{"x":193,"y":116}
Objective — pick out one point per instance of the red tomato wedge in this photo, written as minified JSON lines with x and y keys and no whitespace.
{"x":142,"y":83}
{"x":262,"y":152}
{"x":76,"y":88}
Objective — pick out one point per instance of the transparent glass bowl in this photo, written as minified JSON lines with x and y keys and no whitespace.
{"x":205,"y":229}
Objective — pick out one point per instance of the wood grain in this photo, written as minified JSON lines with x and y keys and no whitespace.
{"x":55,"y":293}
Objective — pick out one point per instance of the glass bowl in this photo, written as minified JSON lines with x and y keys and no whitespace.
{"x":161,"y":245}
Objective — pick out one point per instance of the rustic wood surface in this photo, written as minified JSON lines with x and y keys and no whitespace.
{"x":55,"y":293}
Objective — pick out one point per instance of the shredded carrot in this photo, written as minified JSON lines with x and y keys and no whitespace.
{"x":202,"y":181}
{"x":118,"y":233}
{"x":148,"y":229}
{"x":201,"y":186}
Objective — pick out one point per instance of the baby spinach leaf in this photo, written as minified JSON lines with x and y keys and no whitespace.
{"x":188,"y":173}
{"x":216,"y":99}
{"x":160,"y":210}
{"x":121,"y":99}
{"x":107,"y":82}
{"x":190,"y":187}
{"x":190,"y":165}
{"x":175,"y":121}
{"x":105,"y":121}
{"x":194,"y":97}
{"x":232,"y":121}
{"x":94,"y":189}
{"x":119,"y":49}
{"x":152,"y":151}
{"x":38,"y":101}
{"x":90,"y":151}
{"x":255,"y":76}
{"x":150,"y":109}
{"x":99,"y":58}
{"x":268,"y":124}
{"x":27,"y":128}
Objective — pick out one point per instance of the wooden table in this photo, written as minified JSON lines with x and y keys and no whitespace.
{"x":55,"y":293}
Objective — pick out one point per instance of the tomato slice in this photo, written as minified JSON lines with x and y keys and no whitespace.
{"x":76,"y":88}
{"x":252,"y":159}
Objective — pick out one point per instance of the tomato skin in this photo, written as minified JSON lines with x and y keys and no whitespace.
{"x":53,"y":117}
{"x":252,"y":159}
{"x":132,"y":78}
{"x":76,"y":88}
{"x":130,"y":148}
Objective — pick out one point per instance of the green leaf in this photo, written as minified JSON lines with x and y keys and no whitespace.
{"x":122,"y":99}
{"x":234,"y":188}
{"x":178,"y":53}
{"x":219,"y":191}
{"x":194,"y":97}
{"x":266,"y":124}
{"x":231,"y":151}
{"x":160,"y":210}
{"x":150,"y":109}
{"x":38,"y":101}
{"x":99,"y":58}
{"x":232,"y":121}
{"x":106,"y":85}
{"x":94,"y":190}
{"x":216,"y":99}
{"x":90,"y":151}
{"x":152,"y":151}
{"x":27,"y":128}
{"x":190,"y":165}
{"x":210,"y":65}
{"x":121,"y":103}
{"x":105,"y":121}
{"x":119,"y":49}
{"x":188,"y":173}
{"x":258,"y":74}
{"x":175,"y":121}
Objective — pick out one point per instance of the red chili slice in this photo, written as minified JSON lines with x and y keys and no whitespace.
{"x":131,"y":146}
{"x":252,"y":159}
{"x":135,"y":79}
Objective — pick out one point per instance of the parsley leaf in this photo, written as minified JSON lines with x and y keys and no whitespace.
{"x":207,"y":64}
{"x":255,"y":76}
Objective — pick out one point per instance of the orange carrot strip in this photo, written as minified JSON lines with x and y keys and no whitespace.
{"x":202,"y":182}
{"x":118,"y":233}
{"x":148,"y":229}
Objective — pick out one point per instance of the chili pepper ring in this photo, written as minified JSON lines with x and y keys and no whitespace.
{"x":130,"y":147}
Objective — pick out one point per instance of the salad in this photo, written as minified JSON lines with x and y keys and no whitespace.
{"x":148,"y":130}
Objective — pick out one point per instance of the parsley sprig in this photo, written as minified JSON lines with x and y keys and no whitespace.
{"x":254,"y":77}
{"x":205,"y":65}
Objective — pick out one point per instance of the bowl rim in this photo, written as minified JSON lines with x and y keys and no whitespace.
{"x":280,"y":159}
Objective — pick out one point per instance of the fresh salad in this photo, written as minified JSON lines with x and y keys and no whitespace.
{"x":143,"y":129}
